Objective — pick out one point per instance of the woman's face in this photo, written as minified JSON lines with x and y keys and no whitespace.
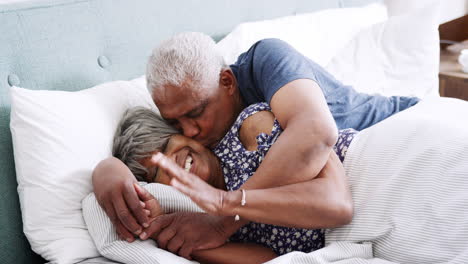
{"x":191,"y":156}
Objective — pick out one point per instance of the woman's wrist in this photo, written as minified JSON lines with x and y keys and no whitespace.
{"x":231,"y":203}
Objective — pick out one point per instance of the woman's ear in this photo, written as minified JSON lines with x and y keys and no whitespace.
{"x":228,"y":80}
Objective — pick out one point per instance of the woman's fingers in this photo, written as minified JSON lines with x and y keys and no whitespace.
{"x":176,"y":172}
{"x":170,"y":167}
{"x":143,"y":194}
{"x":150,"y":205}
{"x":185,"y":189}
{"x":204,"y":195}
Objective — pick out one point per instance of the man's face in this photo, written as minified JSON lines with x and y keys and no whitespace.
{"x":201,"y":115}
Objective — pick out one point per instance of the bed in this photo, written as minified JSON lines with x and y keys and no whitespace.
{"x":71,"y":45}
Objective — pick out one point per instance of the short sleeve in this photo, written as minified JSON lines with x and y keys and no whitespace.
{"x":267,"y":66}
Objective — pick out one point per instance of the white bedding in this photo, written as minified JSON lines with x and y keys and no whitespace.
{"x":409,"y":181}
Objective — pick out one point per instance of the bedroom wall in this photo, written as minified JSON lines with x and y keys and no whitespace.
{"x":451,"y":9}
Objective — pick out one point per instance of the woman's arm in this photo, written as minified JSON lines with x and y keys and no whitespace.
{"x":235,"y":253}
{"x":323,"y":202}
{"x":260,"y":122}
{"x":225,"y":254}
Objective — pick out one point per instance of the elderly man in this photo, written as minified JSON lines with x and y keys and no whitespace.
{"x":197,"y":93}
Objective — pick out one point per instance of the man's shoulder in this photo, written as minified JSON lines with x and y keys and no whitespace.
{"x":271,"y":43}
{"x":272,"y":48}
{"x":264,"y":49}
{"x":267,"y":66}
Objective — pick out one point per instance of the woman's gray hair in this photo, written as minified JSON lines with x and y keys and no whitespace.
{"x":141,"y":131}
{"x":189,"y":56}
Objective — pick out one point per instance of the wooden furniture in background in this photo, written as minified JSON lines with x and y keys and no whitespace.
{"x":452,"y":81}
{"x":455,"y":30}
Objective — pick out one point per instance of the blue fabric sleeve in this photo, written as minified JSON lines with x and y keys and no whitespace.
{"x":272,"y":63}
{"x":267,"y":66}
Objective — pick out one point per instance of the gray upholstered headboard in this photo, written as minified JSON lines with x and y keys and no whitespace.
{"x":75,"y":44}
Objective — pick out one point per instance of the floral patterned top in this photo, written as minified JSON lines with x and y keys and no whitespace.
{"x":238,"y":164}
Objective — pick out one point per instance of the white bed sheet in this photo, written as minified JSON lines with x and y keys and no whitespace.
{"x":409,"y":181}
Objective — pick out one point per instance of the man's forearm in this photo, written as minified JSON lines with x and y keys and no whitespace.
{"x":113,"y":185}
{"x":234,"y":253}
{"x":296,"y":157}
{"x":309,"y":133}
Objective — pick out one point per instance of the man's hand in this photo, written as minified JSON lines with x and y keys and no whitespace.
{"x":183,"y":232}
{"x":114,"y":188}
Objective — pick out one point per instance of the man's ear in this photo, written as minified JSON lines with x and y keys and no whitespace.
{"x":228,"y":80}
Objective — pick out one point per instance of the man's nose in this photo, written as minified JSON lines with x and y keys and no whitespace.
{"x":190,"y":128}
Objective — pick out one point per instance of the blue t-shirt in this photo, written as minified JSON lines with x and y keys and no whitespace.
{"x":271,"y":63}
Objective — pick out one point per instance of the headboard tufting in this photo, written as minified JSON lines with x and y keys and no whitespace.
{"x":75,"y":44}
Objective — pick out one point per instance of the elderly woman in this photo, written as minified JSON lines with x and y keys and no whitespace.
{"x":142,"y":134}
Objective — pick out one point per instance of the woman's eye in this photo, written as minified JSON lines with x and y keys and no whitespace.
{"x":175,"y":124}
{"x":172,"y":122}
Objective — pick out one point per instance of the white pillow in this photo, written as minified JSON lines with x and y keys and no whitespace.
{"x":318,"y":35}
{"x":58,"y":138}
{"x":396,"y":57}
{"x":138,"y":252}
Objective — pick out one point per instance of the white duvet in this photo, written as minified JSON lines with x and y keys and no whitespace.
{"x":409,"y":181}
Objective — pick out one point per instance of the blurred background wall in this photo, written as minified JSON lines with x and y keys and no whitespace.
{"x":451,"y":9}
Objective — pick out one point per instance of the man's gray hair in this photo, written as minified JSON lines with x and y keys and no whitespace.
{"x":141,"y":131}
{"x":189,"y":56}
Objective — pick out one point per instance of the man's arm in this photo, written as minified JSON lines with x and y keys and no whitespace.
{"x":308,"y":137}
{"x":309,"y":133}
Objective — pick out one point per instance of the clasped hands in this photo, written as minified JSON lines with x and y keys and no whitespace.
{"x":183,"y":232}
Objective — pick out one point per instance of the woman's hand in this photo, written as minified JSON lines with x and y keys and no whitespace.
{"x":150,"y":205}
{"x":210,"y":199}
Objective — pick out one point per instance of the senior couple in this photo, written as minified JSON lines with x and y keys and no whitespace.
{"x":278,"y":126}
